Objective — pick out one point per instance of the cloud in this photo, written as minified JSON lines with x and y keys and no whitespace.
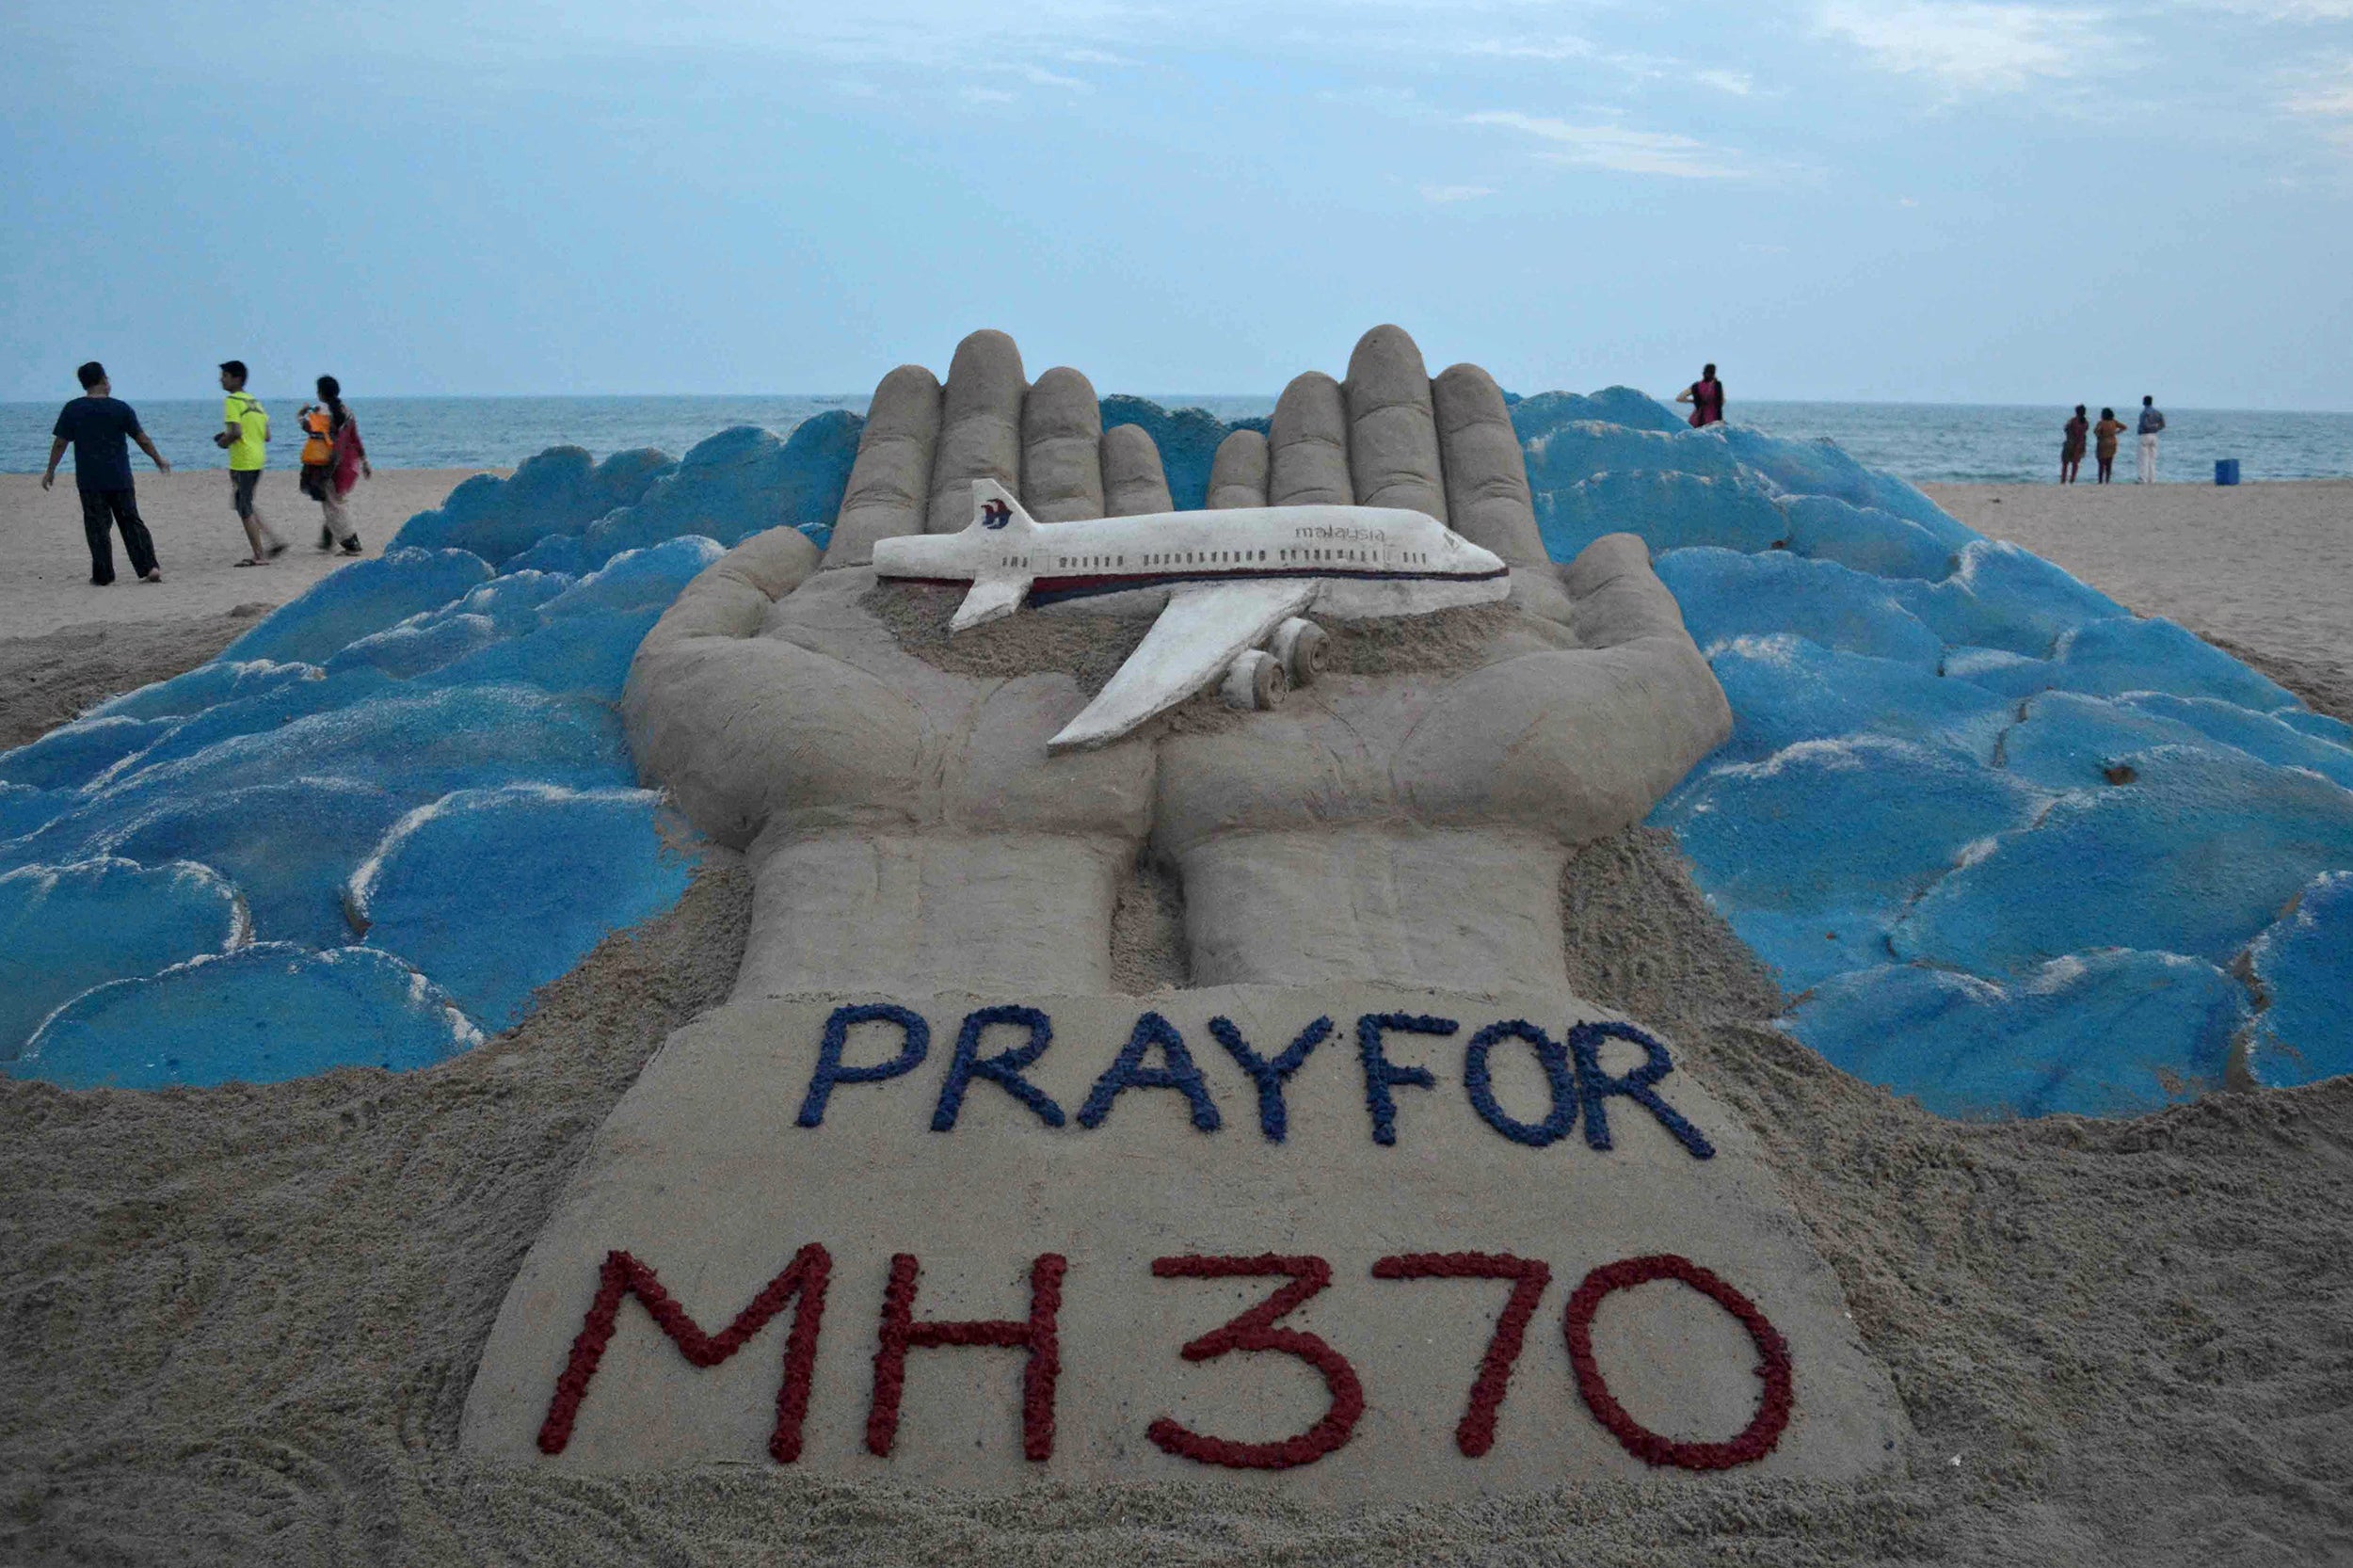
{"x":1455,"y":193}
{"x":1738,"y":82}
{"x":1969,"y":46}
{"x":2287,"y":10}
{"x":2324,"y":93}
{"x":1564,"y":48}
{"x":1614,"y":147}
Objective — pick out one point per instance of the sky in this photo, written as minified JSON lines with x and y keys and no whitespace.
{"x":1946,"y":200}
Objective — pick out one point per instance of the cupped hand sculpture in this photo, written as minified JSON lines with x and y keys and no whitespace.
{"x":909,"y":831}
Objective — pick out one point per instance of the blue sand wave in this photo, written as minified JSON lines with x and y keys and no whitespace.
{"x":2012,"y":849}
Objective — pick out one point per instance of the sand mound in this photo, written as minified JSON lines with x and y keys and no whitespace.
{"x":239,"y":1324}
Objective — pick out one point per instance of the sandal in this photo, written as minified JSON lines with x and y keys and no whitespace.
{"x":245,"y":560}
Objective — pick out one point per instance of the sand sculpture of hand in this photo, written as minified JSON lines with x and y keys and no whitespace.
{"x":909,"y":831}
{"x":1414,"y":828}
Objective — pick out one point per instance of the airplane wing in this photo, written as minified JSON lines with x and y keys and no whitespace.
{"x":992,"y":598}
{"x":1192,"y":643}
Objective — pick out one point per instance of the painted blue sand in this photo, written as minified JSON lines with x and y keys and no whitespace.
{"x":64,"y":929}
{"x":597,"y":865}
{"x":2008,"y":845}
{"x":364,"y":597}
{"x":2195,"y":854}
{"x":1786,"y":689}
{"x":287,"y":847}
{"x":2000,"y":596}
{"x":555,"y":495}
{"x":225,"y":680}
{"x":263,"y":1014}
{"x":1726,"y":595}
{"x":1902,"y":814}
{"x":739,"y":483}
{"x":2303,"y":967}
{"x":2110,"y":1033}
{"x":1866,"y":538}
{"x":1187,"y":439}
{"x":1671,"y":510}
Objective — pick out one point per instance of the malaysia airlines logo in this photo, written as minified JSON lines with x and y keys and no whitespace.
{"x":995,"y":514}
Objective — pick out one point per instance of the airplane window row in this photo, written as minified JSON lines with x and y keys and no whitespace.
{"x":1224,"y":557}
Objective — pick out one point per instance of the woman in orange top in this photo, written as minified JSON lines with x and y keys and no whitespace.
{"x":2104,"y":434}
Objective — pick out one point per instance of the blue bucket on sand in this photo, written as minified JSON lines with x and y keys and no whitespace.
{"x":2226,"y":471}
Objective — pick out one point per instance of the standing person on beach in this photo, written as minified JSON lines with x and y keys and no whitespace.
{"x":96,"y":424}
{"x":244,"y":431}
{"x":2150,"y":423}
{"x":2071,"y":446}
{"x":328,"y":474}
{"x":1707,"y":397}
{"x":2105,"y":433}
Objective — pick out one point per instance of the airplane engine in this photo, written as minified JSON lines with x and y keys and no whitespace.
{"x":1300,"y":645}
{"x":1256,"y":680}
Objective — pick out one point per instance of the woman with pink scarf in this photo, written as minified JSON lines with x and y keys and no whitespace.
{"x":330,"y":483}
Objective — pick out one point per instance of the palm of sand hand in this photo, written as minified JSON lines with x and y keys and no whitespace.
{"x":907,"y":827}
{"x":1415,"y":829}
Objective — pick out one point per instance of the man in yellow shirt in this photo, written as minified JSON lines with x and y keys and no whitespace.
{"x":244,"y":431}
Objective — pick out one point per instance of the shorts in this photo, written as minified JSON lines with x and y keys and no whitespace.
{"x":241,"y":483}
{"x":314,"y":481}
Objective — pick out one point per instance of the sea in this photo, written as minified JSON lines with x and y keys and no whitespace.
{"x":1926,"y":442}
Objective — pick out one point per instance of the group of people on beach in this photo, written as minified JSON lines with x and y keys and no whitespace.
{"x":100,"y":427}
{"x":2104,"y":436}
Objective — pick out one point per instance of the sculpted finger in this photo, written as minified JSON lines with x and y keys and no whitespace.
{"x":732,"y":596}
{"x":980,"y":427}
{"x":1308,"y":445}
{"x":1572,"y":744}
{"x":1486,"y":472}
{"x":889,"y":487}
{"x":1392,"y":433}
{"x":1618,"y":598}
{"x":1237,"y":473}
{"x":1062,"y":430}
{"x":1486,"y":486}
{"x":1582,"y":742}
{"x":1133,"y":482}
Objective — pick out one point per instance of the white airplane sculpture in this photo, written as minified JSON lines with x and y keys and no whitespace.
{"x":1223,"y":582}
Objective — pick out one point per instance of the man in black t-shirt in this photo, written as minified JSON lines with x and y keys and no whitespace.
{"x":96,"y":424}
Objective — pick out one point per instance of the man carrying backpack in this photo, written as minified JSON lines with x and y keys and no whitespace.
{"x":244,"y":431}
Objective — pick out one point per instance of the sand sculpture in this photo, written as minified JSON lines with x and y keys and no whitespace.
{"x":996,"y":1221}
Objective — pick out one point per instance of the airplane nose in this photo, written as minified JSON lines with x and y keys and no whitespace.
{"x":1476,"y":559}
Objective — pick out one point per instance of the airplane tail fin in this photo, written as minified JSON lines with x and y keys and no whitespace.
{"x":995,"y":510}
{"x":1002,"y":529}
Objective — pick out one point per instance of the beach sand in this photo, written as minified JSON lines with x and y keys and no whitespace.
{"x":239,"y":1324}
{"x":2264,"y":571}
{"x":198,"y":540}
{"x":65,"y":645}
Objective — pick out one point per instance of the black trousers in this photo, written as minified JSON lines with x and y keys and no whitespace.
{"x":120,"y":509}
